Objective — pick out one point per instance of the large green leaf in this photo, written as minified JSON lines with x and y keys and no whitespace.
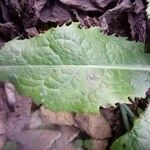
{"x":138,"y":138}
{"x":73,"y":69}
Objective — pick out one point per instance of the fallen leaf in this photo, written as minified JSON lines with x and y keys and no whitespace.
{"x":32,"y":13}
{"x":27,"y":12}
{"x":16,"y":7}
{"x":37,"y":139}
{"x":103,"y":3}
{"x":3,"y":116}
{"x":110,"y":16}
{"x":114,"y":118}
{"x":85,"y":5}
{"x":35,"y":121}
{"x":139,"y":6}
{"x":94,"y":125}
{"x":10,"y":93}
{"x":19,"y":117}
{"x":8,"y":31}
{"x":68,"y":133}
{"x":32,"y":31}
{"x":137,"y":21}
{"x":26,"y":15}
{"x":60,"y":118}
{"x":56,"y":14}
{"x":4,"y":12}
{"x":86,"y":20}
{"x":138,"y":25}
{"x":1,"y":42}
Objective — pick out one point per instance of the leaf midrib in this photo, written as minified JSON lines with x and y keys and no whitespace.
{"x":133,"y":67}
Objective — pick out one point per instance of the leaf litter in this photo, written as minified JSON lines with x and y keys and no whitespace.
{"x":38,"y":129}
{"x":91,"y":128}
{"x":136,"y":28}
{"x":29,"y":129}
{"x":28,"y":18}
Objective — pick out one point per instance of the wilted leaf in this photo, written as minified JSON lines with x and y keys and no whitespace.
{"x":137,"y":21}
{"x":19,"y":118}
{"x":60,"y":118}
{"x":57,"y":14}
{"x":35,"y":121}
{"x":103,"y":3}
{"x":73,"y":69}
{"x":85,"y":5}
{"x":8,"y":31}
{"x":32,"y":31}
{"x":10,"y":93}
{"x":68,"y":133}
{"x":37,"y":139}
{"x":1,"y":42}
{"x":3,"y":116}
{"x":111,"y":16}
{"x":94,"y":125}
{"x":28,"y":12}
{"x":114,"y":118}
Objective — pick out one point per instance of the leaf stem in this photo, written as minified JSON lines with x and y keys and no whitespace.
{"x":125,"y":118}
{"x":129,"y":112}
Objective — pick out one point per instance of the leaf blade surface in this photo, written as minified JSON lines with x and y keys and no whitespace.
{"x":73,"y":69}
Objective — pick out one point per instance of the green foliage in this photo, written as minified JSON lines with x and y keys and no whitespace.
{"x":73,"y":69}
{"x":138,"y":138}
{"x":148,"y":9}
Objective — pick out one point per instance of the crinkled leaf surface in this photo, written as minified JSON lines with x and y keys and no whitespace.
{"x":73,"y":69}
{"x":138,"y":138}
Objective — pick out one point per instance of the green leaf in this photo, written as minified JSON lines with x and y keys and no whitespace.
{"x":138,"y":138}
{"x":148,"y":8}
{"x":73,"y":69}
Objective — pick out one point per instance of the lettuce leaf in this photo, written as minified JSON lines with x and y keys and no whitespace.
{"x":73,"y":69}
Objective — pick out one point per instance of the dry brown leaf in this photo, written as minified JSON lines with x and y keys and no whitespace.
{"x":3,"y":115}
{"x":103,"y":3}
{"x":10,"y":93}
{"x":19,"y":116}
{"x":32,"y":31}
{"x":68,"y":133}
{"x":35,"y":121}
{"x":94,"y":125}
{"x":56,"y":14}
{"x":85,"y":5}
{"x":60,"y":118}
{"x":37,"y":139}
{"x":1,"y":42}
